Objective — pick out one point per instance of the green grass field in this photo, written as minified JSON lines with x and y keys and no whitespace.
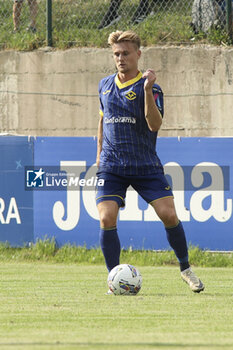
{"x":64,"y":306}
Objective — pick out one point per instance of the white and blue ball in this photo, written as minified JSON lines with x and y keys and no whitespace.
{"x":124,"y":279}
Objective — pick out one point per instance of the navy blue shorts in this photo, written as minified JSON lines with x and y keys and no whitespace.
{"x":149,"y":187}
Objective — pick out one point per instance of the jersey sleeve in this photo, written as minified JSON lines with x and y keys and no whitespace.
{"x":158,"y":97}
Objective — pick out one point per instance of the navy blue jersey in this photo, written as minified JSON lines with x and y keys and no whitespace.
{"x":128,"y":146}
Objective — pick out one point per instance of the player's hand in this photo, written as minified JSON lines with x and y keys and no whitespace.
{"x":150,"y":79}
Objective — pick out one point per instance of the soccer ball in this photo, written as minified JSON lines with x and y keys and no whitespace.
{"x":124,"y":279}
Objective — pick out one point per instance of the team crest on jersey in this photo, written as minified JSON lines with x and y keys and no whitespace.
{"x":131,"y":95}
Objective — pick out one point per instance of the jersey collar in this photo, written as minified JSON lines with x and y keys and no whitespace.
{"x":127,"y":83}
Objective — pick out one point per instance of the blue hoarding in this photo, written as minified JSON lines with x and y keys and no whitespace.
{"x":37,"y":200}
{"x":16,"y":205}
{"x":199,"y":169}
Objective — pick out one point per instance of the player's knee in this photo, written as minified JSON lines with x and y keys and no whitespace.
{"x":107,"y":220}
{"x":169,"y":218}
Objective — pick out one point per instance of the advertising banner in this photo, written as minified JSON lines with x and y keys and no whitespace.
{"x":48,"y":189}
{"x":199,"y":171}
{"x":16,"y":204}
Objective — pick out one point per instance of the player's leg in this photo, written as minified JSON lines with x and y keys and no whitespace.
{"x":17,"y":6}
{"x":141,"y":12}
{"x":109,"y":240}
{"x":156,"y":191}
{"x":165,"y":209}
{"x":111,"y":15}
{"x":33,"y":7}
{"x":110,"y":197}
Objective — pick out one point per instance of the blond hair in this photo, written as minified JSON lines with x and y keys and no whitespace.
{"x":120,"y":36}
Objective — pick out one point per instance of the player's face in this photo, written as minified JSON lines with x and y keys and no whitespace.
{"x":126,"y":56}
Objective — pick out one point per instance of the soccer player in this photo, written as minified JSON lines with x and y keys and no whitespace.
{"x":131,"y":111}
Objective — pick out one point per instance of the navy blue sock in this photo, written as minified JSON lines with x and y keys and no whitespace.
{"x":177,"y":240}
{"x":110,"y":245}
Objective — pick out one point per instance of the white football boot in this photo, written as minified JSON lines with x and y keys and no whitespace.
{"x":192,"y":280}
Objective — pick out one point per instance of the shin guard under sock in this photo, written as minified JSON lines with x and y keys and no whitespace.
{"x":177,"y":240}
{"x":110,"y":245}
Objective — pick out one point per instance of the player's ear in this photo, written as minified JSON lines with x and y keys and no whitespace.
{"x":139,"y":53}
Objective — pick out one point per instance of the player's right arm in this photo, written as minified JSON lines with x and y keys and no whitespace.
{"x":99,"y":139}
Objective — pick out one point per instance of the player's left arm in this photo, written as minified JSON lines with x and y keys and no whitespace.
{"x":99,"y":139}
{"x":152,"y":114}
